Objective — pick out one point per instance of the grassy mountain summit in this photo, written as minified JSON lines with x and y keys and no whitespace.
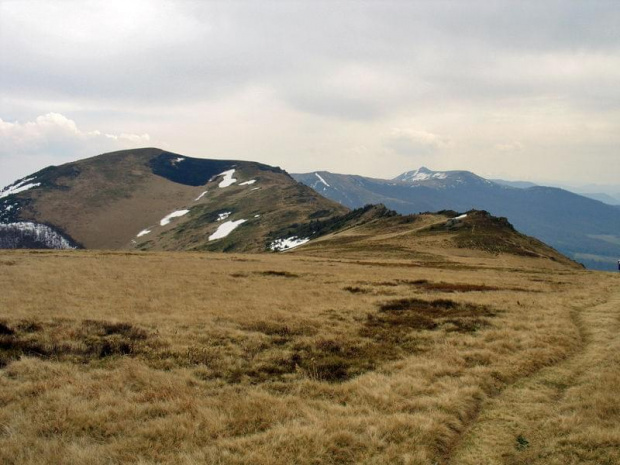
{"x":440,"y":239}
{"x":110,"y":201}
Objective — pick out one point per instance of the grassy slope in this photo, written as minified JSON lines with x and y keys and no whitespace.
{"x":103,"y":202}
{"x":438,"y":238}
{"x":278,"y":200}
{"x":293,"y":358}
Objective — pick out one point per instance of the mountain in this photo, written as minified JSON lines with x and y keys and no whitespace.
{"x":430,"y":239}
{"x":150,"y":199}
{"x":602,"y":197}
{"x":518,"y":184}
{"x":584,"y":229}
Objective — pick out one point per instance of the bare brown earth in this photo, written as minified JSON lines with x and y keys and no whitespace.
{"x":417,"y":351}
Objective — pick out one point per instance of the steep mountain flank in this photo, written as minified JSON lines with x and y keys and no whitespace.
{"x":110,"y":202}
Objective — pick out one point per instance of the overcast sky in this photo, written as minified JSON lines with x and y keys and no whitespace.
{"x":512,"y":89}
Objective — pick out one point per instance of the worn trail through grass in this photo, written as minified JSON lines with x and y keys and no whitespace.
{"x":568,"y":413}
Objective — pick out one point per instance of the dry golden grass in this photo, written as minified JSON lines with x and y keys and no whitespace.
{"x":274,"y":359}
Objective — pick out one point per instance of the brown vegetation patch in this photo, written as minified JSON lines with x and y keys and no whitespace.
{"x":283,"y":274}
{"x":337,"y":360}
{"x":318,"y":358}
{"x":5,"y":330}
{"x":60,"y":340}
{"x":442,"y":286}
{"x":357,"y":290}
{"x":448,"y":287}
{"x":398,"y":317}
{"x":279,"y":329}
{"x":239,"y":275}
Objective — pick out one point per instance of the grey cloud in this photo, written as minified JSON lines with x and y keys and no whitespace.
{"x":335,"y":74}
{"x":203,"y":51}
{"x":409,"y":142}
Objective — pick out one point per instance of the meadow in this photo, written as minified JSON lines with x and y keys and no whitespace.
{"x":308,"y":358}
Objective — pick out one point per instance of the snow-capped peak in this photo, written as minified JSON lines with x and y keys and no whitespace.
{"x":421,"y":174}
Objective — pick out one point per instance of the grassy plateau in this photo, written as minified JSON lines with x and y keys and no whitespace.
{"x":317,"y":357}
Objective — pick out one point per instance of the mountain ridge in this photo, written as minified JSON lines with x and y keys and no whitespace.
{"x":152,"y":199}
{"x":109,"y":201}
{"x":569,"y":222}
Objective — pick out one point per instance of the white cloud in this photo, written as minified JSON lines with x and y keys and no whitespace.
{"x":513,"y":146}
{"x":407,"y":141}
{"x":53,"y":138}
{"x":54,"y":133}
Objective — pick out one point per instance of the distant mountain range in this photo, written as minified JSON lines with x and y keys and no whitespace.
{"x":585,"y":229}
{"x":600,"y":196}
{"x":151,"y":199}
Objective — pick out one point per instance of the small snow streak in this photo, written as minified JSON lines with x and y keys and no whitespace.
{"x":223,"y":216}
{"x":166,"y":219}
{"x":144,"y":232}
{"x":225,"y":229}
{"x":200,"y":196}
{"x":228,"y":178}
{"x":321,"y":179}
{"x":247,"y":183}
{"x":460,"y":217}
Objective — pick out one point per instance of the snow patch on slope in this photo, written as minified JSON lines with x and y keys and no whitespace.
{"x":223,"y":216}
{"x":225,"y":229}
{"x":166,"y":219}
{"x":247,"y":183}
{"x":26,"y":234}
{"x":144,"y":232}
{"x":321,"y":179}
{"x":290,"y":242}
{"x":17,"y":187}
{"x":228,"y":179}
{"x":200,"y":196}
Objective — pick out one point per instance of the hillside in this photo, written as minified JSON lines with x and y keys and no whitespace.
{"x":443,"y":239}
{"x":149,"y":199}
{"x":329,"y":354}
{"x":584,"y":229}
{"x":153,"y":199}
